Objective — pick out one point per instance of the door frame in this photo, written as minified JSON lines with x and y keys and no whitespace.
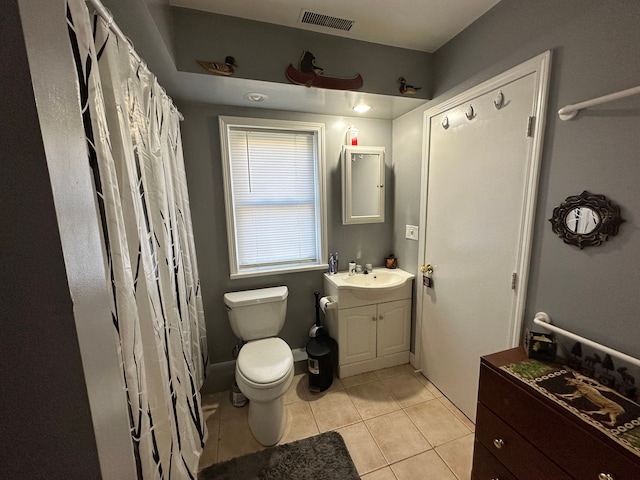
{"x":539,"y":66}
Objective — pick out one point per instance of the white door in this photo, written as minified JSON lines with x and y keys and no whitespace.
{"x":479,"y":212}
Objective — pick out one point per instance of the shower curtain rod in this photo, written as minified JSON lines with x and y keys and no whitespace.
{"x":111,"y":24}
{"x":544,"y":320}
{"x":570,"y":111}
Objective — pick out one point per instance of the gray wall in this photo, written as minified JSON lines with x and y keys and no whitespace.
{"x":263,"y":51}
{"x":594,"y":291}
{"x":67,"y":415}
{"x":47,"y":426}
{"x":47,"y":423}
{"x":367,"y":243}
{"x":407,"y":166}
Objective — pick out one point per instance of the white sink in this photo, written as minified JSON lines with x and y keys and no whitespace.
{"x":375,"y":280}
{"x":381,"y":285}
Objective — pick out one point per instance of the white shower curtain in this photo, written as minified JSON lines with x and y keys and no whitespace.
{"x":135,"y":155}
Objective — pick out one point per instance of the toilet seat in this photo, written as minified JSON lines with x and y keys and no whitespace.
{"x":265,"y":362}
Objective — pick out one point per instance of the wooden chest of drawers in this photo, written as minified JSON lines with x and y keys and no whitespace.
{"x":522,"y":435}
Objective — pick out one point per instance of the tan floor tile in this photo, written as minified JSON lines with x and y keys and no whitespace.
{"x":235,"y":437}
{"x":388,"y":435}
{"x":333,"y":410}
{"x":211,"y":412}
{"x":430,"y":386}
{"x":364,"y":452}
{"x":382,"y":474}
{"x":458,"y":455}
{"x":397,"y":436}
{"x":459,"y":415}
{"x":436,"y":422}
{"x":227,"y":410}
{"x":407,"y":390}
{"x":372,"y":399}
{"x":426,"y":466}
{"x":297,"y":391}
{"x":336,"y":386}
{"x":300,"y":422}
{"x":359,"y":379}
{"x":393,"y":371}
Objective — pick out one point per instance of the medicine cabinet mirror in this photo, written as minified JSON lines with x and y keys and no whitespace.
{"x":362,"y":184}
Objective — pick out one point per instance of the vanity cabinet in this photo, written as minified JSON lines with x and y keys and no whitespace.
{"x":372,"y":331}
{"x":523,"y":435}
{"x":372,"y":327}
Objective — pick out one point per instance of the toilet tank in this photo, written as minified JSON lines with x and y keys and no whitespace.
{"x":259,"y":313}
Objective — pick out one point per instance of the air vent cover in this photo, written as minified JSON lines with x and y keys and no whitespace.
{"x":321,"y":20}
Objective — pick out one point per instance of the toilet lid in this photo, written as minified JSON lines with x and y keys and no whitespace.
{"x":266,"y":360}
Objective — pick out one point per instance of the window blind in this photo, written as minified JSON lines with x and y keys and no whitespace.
{"x":275,"y":197}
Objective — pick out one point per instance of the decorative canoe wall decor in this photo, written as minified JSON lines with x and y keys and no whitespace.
{"x":311,"y":75}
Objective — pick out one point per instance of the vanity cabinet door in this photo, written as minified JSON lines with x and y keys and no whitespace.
{"x":394,"y":327}
{"x":357,"y":334}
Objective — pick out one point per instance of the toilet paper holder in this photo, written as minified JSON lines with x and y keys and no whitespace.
{"x":328,"y":303}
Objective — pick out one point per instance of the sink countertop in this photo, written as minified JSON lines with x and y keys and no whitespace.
{"x":339,"y":279}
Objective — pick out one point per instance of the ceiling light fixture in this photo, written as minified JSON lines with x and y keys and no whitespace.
{"x":362,"y":108}
{"x":255,"y":96}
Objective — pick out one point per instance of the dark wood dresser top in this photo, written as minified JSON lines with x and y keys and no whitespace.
{"x":538,"y":437}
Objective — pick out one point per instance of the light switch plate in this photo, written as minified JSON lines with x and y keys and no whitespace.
{"x":411,"y":232}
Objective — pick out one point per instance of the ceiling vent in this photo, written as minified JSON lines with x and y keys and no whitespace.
{"x":312,"y":18}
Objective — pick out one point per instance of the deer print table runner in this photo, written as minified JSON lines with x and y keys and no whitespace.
{"x":599,"y":405}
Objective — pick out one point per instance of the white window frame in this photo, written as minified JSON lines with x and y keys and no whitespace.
{"x":227,"y":123}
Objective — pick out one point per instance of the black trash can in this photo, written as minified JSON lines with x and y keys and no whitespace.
{"x":321,"y":352}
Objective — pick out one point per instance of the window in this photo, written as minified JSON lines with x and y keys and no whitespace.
{"x":274,"y":195}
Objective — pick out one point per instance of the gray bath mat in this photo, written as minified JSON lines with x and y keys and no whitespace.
{"x":322,"y":457}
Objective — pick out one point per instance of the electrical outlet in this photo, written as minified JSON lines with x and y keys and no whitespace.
{"x":411,"y":232}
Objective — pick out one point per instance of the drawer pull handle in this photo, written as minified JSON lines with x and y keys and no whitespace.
{"x":605,"y":476}
{"x":499,"y":443}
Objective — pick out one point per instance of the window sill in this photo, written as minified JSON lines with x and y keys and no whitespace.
{"x":272,"y":272}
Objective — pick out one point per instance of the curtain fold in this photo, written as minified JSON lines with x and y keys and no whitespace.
{"x":135,"y":155}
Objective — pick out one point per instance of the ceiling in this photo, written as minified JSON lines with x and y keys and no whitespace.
{"x":423,"y":25}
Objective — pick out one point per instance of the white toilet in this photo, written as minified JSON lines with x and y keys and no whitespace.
{"x":264,"y":368}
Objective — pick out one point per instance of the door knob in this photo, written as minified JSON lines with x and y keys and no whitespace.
{"x":428,"y":268}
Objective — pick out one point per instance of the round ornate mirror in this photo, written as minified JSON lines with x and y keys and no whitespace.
{"x":586,"y":220}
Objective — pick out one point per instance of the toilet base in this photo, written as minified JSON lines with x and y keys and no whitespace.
{"x":267,"y":421}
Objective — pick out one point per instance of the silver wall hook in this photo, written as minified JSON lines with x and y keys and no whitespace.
{"x":499,"y":101}
{"x":445,"y":122}
{"x":470,"y":113}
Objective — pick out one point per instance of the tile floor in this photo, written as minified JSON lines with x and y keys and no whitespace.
{"x":395,"y":423}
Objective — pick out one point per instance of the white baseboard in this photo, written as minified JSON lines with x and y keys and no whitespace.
{"x":299,"y":354}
